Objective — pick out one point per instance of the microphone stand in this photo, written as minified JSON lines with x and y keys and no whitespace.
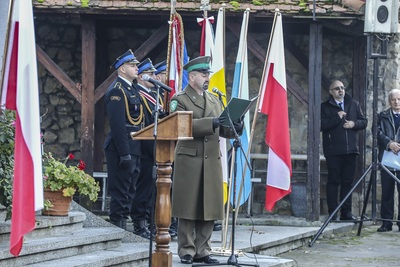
{"x":232,"y":260}
{"x":154,"y":173}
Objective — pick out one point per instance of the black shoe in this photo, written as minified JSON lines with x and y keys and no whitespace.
{"x":142,"y":232}
{"x":187,"y":259}
{"x":217,"y":227}
{"x":207,"y":259}
{"x":384,"y":228}
{"x":172,"y":233}
{"x":347,"y":217}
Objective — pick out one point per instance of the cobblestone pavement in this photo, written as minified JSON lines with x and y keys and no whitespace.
{"x":370,"y":249}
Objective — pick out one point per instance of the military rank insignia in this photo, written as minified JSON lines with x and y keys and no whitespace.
{"x":115,"y":98}
{"x":173,"y":105}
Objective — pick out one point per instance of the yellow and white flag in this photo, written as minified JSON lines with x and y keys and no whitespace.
{"x":217,"y":80}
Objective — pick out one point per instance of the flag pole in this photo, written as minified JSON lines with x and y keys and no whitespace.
{"x":5,"y":50}
{"x":255,"y":117}
{"x":239,"y":93}
{"x":169,"y":47}
{"x":257,"y":106}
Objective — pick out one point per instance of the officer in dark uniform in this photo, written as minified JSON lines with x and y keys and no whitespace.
{"x":125,"y":112}
{"x":161,"y":75}
{"x":161,"y":71}
{"x":143,"y":201}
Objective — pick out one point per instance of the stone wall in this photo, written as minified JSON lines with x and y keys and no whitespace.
{"x":60,"y":38}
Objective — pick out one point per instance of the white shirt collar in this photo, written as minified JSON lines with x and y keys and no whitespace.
{"x":129,"y":82}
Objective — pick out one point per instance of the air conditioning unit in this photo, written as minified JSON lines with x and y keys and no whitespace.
{"x":381,"y":16}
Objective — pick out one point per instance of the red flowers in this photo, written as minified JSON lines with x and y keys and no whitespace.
{"x":81,"y":164}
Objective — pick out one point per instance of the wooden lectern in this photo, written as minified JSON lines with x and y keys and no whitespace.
{"x":177,"y":126}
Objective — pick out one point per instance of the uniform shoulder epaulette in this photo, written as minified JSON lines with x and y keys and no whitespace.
{"x":117,"y":85}
{"x":180,"y":93}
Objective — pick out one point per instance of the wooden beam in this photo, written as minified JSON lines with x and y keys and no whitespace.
{"x":359,"y":86}
{"x":101,"y":90}
{"x":260,"y":53}
{"x":152,"y":42}
{"x":303,"y":59}
{"x":88,"y":76}
{"x":314,"y":122}
{"x":58,"y":73}
{"x":100,"y":113}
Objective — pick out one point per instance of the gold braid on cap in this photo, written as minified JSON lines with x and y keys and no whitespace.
{"x":133,"y":121}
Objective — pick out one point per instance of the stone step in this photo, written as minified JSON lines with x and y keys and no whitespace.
{"x":48,"y":225}
{"x":57,"y":246}
{"x":128,"y":254}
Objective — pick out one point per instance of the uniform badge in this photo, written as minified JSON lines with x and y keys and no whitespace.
{"x":173,"y":105}
{"x":114,"y":97}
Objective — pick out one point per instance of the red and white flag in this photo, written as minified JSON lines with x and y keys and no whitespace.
{"x":176,"y":49}
{"x":274,"y":104}
{"x":207,"y":36}
{"x":20,"y":93}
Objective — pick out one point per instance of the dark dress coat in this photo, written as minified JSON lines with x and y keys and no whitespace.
{"x":197,"y":191}
{"x":337,"y":140}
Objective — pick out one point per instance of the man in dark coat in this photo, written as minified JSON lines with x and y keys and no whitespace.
{"x":142,"y":203}
{"x":197,"y":191}
{"x":341,"y":119}
{"x":389,"y":139}
{"x":125,"y":114}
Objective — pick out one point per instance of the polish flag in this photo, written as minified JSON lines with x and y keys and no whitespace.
{"x":20,"y":93}
{"x":177,"y":77}
{"x":274,"y":104}
{"x":207,"y":36}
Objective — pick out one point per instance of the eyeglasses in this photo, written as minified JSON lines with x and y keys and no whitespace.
{"x":338,"y":88}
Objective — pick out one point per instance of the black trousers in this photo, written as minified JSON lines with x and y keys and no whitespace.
{"x":341,"y":169}
{"x":143,"y":201}
{"x":387,"y":202}
{"x":121,"y":185}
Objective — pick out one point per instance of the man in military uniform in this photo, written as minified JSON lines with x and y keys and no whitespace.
{"x":143,"y":201}
{"x":161,"y":71}
{"x":125,"y":114}
{"x":197,"y":191}
{"x":161,"y":75}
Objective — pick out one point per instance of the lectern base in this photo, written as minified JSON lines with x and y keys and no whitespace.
{"x":161,"y":259}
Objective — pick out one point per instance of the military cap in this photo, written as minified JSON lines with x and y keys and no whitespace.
{"x":128,"y":56}
{"x":146,"y":66}
{"x":160,"y":67}
{"x":201,"y":64}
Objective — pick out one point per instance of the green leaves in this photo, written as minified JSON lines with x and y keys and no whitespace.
{"x":7,"y":133}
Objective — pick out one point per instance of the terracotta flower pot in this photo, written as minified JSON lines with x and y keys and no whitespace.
{"x":60,"y":203}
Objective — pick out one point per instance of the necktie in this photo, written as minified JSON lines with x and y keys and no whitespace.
{"x":341,"y":105}
{"x":396,"y":120}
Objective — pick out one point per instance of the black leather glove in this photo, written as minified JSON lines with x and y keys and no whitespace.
{"x":238,"y":127}
{"x":217,"y":121}
{"x":125,"y":161}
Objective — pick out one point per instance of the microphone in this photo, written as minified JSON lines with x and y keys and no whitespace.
{"x":218,"y":92}
{"x":155,"y":82}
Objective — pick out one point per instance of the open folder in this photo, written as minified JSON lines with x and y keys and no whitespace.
{"x":236,"y":108}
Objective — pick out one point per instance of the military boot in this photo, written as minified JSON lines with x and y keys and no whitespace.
{"x":173,"y":228}
{"x":140,"y":229}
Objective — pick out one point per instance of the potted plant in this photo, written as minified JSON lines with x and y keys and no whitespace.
{"x":61,"y":182}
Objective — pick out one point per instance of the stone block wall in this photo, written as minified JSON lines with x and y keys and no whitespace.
{"x":60,"y":38}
